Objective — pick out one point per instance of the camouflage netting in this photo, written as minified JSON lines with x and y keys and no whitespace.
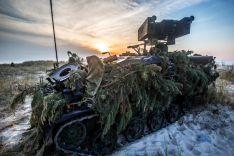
{"x":76,"y":74}
{"x":94,"y":77}
{"x":193,"y":78}
{"x":141,"y":83}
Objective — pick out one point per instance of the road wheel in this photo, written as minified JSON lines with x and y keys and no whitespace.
{"x":173,"y":113}
{"x":70,"y":135}
{"x":187,"y":103}
{"x":101,"y":145}
{"x":155,"y":120}
{"x":134,"y":129}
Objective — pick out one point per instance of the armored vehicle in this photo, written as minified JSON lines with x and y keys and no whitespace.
{"x":124,"y":94}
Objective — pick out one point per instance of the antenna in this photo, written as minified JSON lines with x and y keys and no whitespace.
{"x":55,"y":64}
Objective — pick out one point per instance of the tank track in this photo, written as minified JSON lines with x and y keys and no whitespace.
{"x":78,"y":150}
{"x":86,"y":151}
{"x":147,"y":132}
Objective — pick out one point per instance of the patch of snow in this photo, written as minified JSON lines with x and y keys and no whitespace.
{"x":230,"y":88}
{"x":215,"y":124}
{"x":42,"y":73}
{"x":12,"y":134}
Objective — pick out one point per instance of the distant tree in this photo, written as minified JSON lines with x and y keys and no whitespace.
{"x":12,"y":64}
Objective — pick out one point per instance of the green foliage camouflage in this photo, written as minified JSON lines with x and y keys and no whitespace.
{"x":141,"y":83}
{"x":45,"y":109}
{"x":193,"y":78}
{"x":73,"y":57}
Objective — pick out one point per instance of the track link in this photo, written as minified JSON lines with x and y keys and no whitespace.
{"x":78,"y":150}
{"x":85,"y":151}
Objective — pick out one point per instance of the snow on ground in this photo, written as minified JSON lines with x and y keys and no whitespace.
{"x":225,"y":67}
{"x":19,"y":123}
{"x":230,"y":88}
{"x":215,"y":124}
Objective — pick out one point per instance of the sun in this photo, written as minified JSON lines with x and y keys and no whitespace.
{"x":102,"y":47}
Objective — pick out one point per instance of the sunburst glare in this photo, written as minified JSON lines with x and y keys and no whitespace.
{"x":101,"y":47}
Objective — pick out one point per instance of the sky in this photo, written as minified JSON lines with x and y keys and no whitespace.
{"x":88,"y":27}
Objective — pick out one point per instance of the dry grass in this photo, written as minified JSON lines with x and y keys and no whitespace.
{"x":15,"y":79}
{"x":27,"y":67}
{"x":227,"y":75}
{"x":1,"y":143}
{"x":16,"y":149}
{"x":9,"y":87}
{"x":225,"y":87}
{"x":222,"y":92}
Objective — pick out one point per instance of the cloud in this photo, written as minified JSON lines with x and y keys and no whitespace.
{"x":7,"y":9}
{"x":22,"y":33}
{"x":174,"y":5}
{"x":84,"y":23}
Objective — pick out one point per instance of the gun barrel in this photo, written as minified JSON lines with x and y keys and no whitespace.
{"x":201,"y":59}
{"x":110,"y":59}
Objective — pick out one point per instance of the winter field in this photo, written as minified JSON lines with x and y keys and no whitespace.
{"x":206,"y":130}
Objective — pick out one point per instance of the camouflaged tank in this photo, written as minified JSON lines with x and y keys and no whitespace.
{"x":127,"y":94}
